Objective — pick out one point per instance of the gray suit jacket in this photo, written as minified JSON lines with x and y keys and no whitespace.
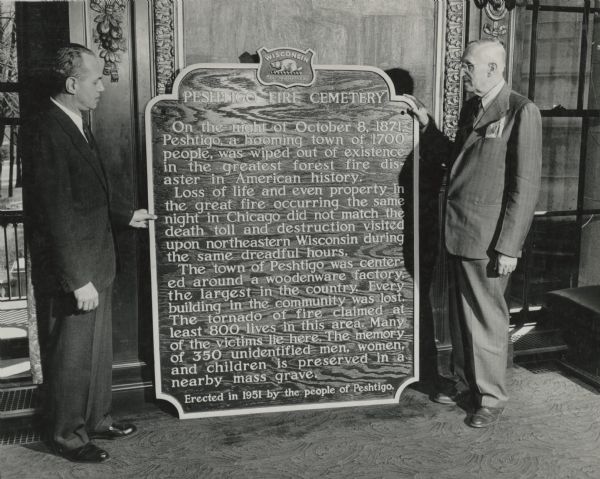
{"x":494,"y":177}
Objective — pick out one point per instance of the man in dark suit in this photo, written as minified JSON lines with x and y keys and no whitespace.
{"x":494,"y":180}
{"x":70,"y":225}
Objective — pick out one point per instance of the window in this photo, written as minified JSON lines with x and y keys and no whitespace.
{"x":13,"y":275}
{"x":12,"y":250}
{"x":557,"y":65}
{"x":10,"y":165}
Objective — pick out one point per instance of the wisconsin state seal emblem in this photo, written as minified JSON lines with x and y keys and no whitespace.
{"x":286,"y":67}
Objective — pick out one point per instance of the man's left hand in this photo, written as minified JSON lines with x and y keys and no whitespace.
{"x":140,"y":218}
{"x":505,"y":264}
{"x":420,"y":112}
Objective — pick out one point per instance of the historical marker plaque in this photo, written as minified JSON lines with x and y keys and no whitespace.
{"x":278,"y":255}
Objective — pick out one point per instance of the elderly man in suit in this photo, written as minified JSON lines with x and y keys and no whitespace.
{"x":70,"y":225}
{"x":494,"y":178}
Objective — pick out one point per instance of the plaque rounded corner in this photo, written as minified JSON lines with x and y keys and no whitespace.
{"x":407,"y":382}
{"x":171,"y":400}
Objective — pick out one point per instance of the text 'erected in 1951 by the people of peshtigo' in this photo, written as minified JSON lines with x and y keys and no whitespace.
{"x":279,"y":276}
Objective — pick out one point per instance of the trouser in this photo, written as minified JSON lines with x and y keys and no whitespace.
{"x":77,"y":362}
{"x":479,"y":322}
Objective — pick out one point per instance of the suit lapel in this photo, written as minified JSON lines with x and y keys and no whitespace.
{"x":495,"y":110}
{"x":492,"y":113}
{"x":80,"y":143}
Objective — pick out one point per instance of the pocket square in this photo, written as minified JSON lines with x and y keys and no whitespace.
{"x":495,"y":129}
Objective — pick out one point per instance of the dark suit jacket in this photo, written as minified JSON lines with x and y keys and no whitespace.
{"x":494,"y":177}
{"x":67,"y":206}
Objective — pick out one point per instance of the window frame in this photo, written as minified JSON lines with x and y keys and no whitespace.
{"x":580,"y":112}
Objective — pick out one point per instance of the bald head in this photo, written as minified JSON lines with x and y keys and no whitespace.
{"x":490,"y":51}
{"x":483,"y":64}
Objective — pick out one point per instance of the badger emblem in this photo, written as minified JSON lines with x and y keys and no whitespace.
{"x":286,"y":65}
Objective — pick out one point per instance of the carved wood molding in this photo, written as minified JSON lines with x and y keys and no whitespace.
{"x":455,"y":24}
{"x":108,"y":34}
{"x":496,"y":9}
{"x":495,"y":22}
{"x":164,"y":44}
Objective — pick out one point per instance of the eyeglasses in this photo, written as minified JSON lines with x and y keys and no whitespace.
{"x":467,"y":66}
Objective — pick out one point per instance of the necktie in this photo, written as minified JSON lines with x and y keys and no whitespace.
{"x":477,"y":110}
{"x":88,"y":136}
{"x":90,"y":139}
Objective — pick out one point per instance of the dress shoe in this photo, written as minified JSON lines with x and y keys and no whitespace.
{"x":443,"y":398}
{"x":485,"y":416}
{"x":86,"y":453}
{"x":450,"y":398}
{"x":115,"y":431}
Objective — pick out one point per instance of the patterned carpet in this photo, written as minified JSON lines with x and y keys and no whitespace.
{"x":551,"y":429}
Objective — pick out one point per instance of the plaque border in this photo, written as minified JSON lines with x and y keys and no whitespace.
{"x":160,"y":394}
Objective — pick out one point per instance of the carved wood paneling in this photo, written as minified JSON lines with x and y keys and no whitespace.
{"x":164,"y":44}
{"x":455,"y":20}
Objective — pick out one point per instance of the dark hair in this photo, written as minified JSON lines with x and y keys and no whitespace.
{"x":67,"y":63}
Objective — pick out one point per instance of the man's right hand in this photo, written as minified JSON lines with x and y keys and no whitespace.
{"x":86,"y":297}
{"x":420,"y":112}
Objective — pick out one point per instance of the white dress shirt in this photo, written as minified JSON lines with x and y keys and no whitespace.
{"x":75,"y":116}
{"x":491,"y":95}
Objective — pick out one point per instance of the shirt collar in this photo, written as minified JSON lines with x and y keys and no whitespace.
{"x":77,"y":119}
{"x":491,"y":95}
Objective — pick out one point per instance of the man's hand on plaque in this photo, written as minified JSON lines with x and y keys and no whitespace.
{"x":140,"y":218}
{"x":420,"y":111}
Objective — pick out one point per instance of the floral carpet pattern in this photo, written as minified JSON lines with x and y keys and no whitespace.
{"x":550,"y":429}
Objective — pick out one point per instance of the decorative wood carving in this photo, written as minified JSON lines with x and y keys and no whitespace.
{"x":454,"y":47}
{"x":439,"y":296}
{"x":164,"y":45}
{"x":108,"y":34}
{"x":496,"y":11}
{"x":35,"y":356}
